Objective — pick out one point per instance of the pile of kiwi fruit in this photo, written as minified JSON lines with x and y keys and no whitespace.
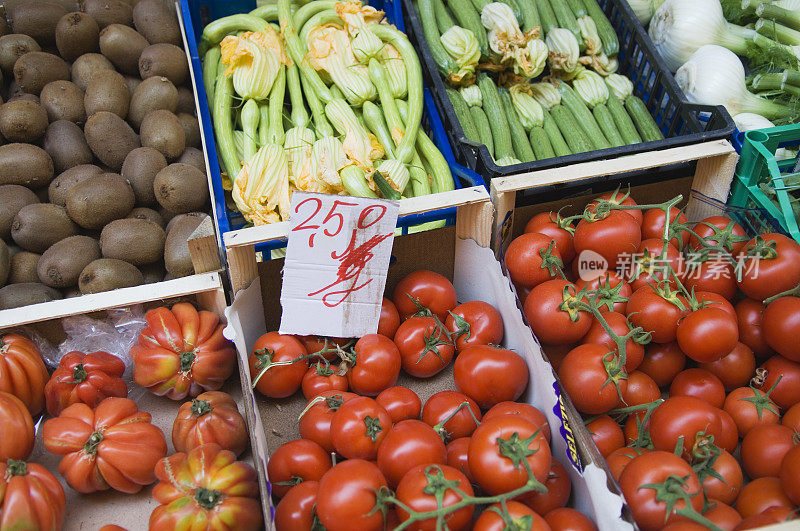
{"x":102,"y":177}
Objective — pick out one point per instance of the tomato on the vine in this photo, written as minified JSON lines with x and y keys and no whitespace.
{"x":684,"y":417}
{"x":782,"y":377}
{"x":389,"y":319}
{"x":457,"y":456}
{"x":712,"y":273}
{"x":553,"y":226}
{"x":559,"y":487}
{"x":315,"y":421}
{"x":554,"y":311}
{"x":617,"y":234}
{"x":294,"y":462}
{"x":780,"y":326}
{"x":320,"y":377}
{"x":707,"y":334}
{"x":619,"y":459}
{"x":653,"y":263}
{"x":424,"y":346}
{"x":413,"y":493}
{"x":719,"y":231}
{"x":733,"y":369}
{"x":347,"y":495}
{"x":653,"y":226}
{"x":442,"y":405}
{"x":407,"y":444}
{"x":763,"y":449}
{"x":568,"y":519}
{"x":532,"y":258}
{"x":522,"y":409}
{"x":594,"y":378}
{"x":377,"y":365}
{"x":474,"y":323}
{"x":662,"y":361}
{"x":296,"y":508}
{"x":608,"y":290}
{"x":597,"y":335}
{"x":520,"y":515}
{"x":400,"y":403}
{"x":490,"y":375}
{"x":722,"y":515}
{"x":267,"y":370}
{"x":791,"y":418}
{"x":323,"y":346}
{"x":770,"y":264}
{"x":750,"y":315}
{"x":701,"y":384}
{"x":750,"y":407}
{"x":424,"y":290}
{"x":657,"y":312}
{"x":790,"y":474}
{"x":620,"y":198}
{"x":606,"y":434}
{"x":359,"y":427}
{"x":726,"y":487}
{"x":641,"y":389}
{"x":760,"y":495}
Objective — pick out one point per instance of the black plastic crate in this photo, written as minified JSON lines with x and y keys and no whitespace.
{"x":679,"y":120}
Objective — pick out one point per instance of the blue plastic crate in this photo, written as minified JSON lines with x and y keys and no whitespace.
{"x":197,"y":13}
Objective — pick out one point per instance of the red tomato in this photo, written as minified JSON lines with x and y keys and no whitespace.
{"x":770,"y":265}
{"x":556,"y":353}
{"x":723,"y":515}
{"x":662,"y":362}
{"x":409,"y":443}
{"x":618,"y":197}
{"x":475,"y":323}
{"x":597,"y":335}
{"x":786,"y":392}
{"x":632,"y":430}
{"x":750,"y":407}
{"x":653,"y":468}
{"x":32,"y":497}
{"x":550,"y":310}
{"x":749,"y":315}
{"x":758,"y":521}
{"x":714,"y":273}
{"x":653,"y":226}
{"x":425,"y":349}
{"x":296,"y":461}
{"x":359,"y":427}
{"x":701,"y":384}
{"x":683,"y":416}
{"x":790,"y":474}
{"x":554,"y":227}
{"x":524,"y":410}
{"x":652,"y":263}
{"x":719,"y":231}
{"x":715,"y":300}
{"x":457,"y":456}
{"x":707,"y":334}
{"x":728,"y":438}
{"x":494,"y":472}
{"x":401,"y":403}
{"x":781,"y":323}
{"x":442,"y":405}
{"x":791,"y":419}
{"x":558,"y":487}
{"x":735,"y":368}
{"x":566,"y":519}
{"x":377,"y":365}
{"x":726,"y":489}
{"x":412,"y":492}
{"x":528,"y":262}
{"x":277,"y":381}
{"x":212,"y":417}
{"x":619,"y":459}
{"x":606,"y":434}
{"x":324,"y":346}
{"x":611,"y":236}
{"x":389,"y":319}
{"x":592,"y":377}
{"x":610,"y":290}
{"x":346,"y":497}
{"x":87,"y":378}
{"x":424,"y":289}
{"x":320,"y":378}
{"x":295,"y":511}
{"x":520,"y":515}
{"x":761,"y":494}
{"x":641,"y":389}
{"x":763,"y":449}
{"x":18,"y":432}
{"x":490,"y":375}
{"x":657,"y":314}
{"x":315,"y":421}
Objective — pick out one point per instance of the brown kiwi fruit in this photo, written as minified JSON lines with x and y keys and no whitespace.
{"x":191,"y":128}
{"x":38,"y":226}
{"x":152,"y":94}
{"x":25,"y":164}
{"x":106,"y":274}
{"x":62,"y":262}
{"x":123,"y":46}
{"x":110,"y":138}
{"x":186,"y":102}
{"x":153,"y":272}
{"x":76,"y":34}
{"x":147,"y":214}
{"x":12,"y":198}
{"x":37,"y":19}
{"x":14,"y":46}
{"x":162,"y":130}
{"x":108,"y":12}
{"x":177,"y":259}
{"x":61,"y":185}
{"x":133,"y":82}
{"x":100,"y":199}
{"x":157,"y":21}
{"x":140,"y":169}
{"x":4,"y":29}
{"x":166,"y":215}
{"x":63,"y":100}
{"x":66,"y":145}
{"x":23,"y":267}
{"x":194,"y":157}
{"x":166,"y":60}
{"x":5,"y":262}
{"x":86,"y":66}
{"x":107,"y":91}
{"x":34,"y":70}
{"x":181,"y":188}
{"x":137,"y":241}
{"x":19,"y":295}
{"x":22,"y":121}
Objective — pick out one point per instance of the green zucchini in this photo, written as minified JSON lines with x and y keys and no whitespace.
{"x":444,"y":20}
{"x":541,"y":144}
{"x":519,"y":138}
{"x":622,"y":120}
{"x":484,"y":129}
{"x":566,"y":19}
{"x":492,"y":106}
{"x":576,"y":105}
{"x":606,"y":122}
{"x":470,"y":19}
{"x":462,"y":113}
{"x":547,"y":16}
{"x":531,"y":15}
{"x":576,"y":139}
{"x":604,"y":28}
{"x":446,"y":65}
{"x":645,"y":124}
{"x":515,"y":8}
{"x":557,"y":141}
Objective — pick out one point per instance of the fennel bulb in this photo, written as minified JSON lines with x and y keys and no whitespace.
{"x":644,"y":9}
{"x":747,"y":121}
{"x":714,"y":75}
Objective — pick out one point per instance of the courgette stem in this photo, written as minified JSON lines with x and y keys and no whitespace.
{"x":541,"y":144}
{"x":557,"y":142}
{"x":481,"y":122}
{"x":519,"y":138}
{"x":647,"y":127}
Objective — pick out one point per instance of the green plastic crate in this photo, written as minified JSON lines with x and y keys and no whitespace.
{"x":758,"y":166}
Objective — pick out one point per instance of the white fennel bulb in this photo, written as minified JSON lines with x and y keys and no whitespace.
{"x":747,"y":121}
{"x":644,"y":9}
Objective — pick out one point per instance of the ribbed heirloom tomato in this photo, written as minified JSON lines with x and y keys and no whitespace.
{"x":30,"y":497}
{"x":295,"y":461}
{"x":277,"y":364}
{"x":22,"y":371}
{"x":111,"y":446}
{"x":490,"y":375}
{"x":211,"y":417}
{"x":16,"y":428}
{"x":182,"y":352}
{"x":206,"y":489}
{"x":86,"y":378}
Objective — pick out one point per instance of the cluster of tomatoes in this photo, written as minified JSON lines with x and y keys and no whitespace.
{"x":621,"y":338}
{"x":107,"y":442}
{"x":402,"y":464}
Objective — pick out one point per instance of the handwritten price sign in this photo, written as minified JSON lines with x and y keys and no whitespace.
{"x":336,"y":262}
